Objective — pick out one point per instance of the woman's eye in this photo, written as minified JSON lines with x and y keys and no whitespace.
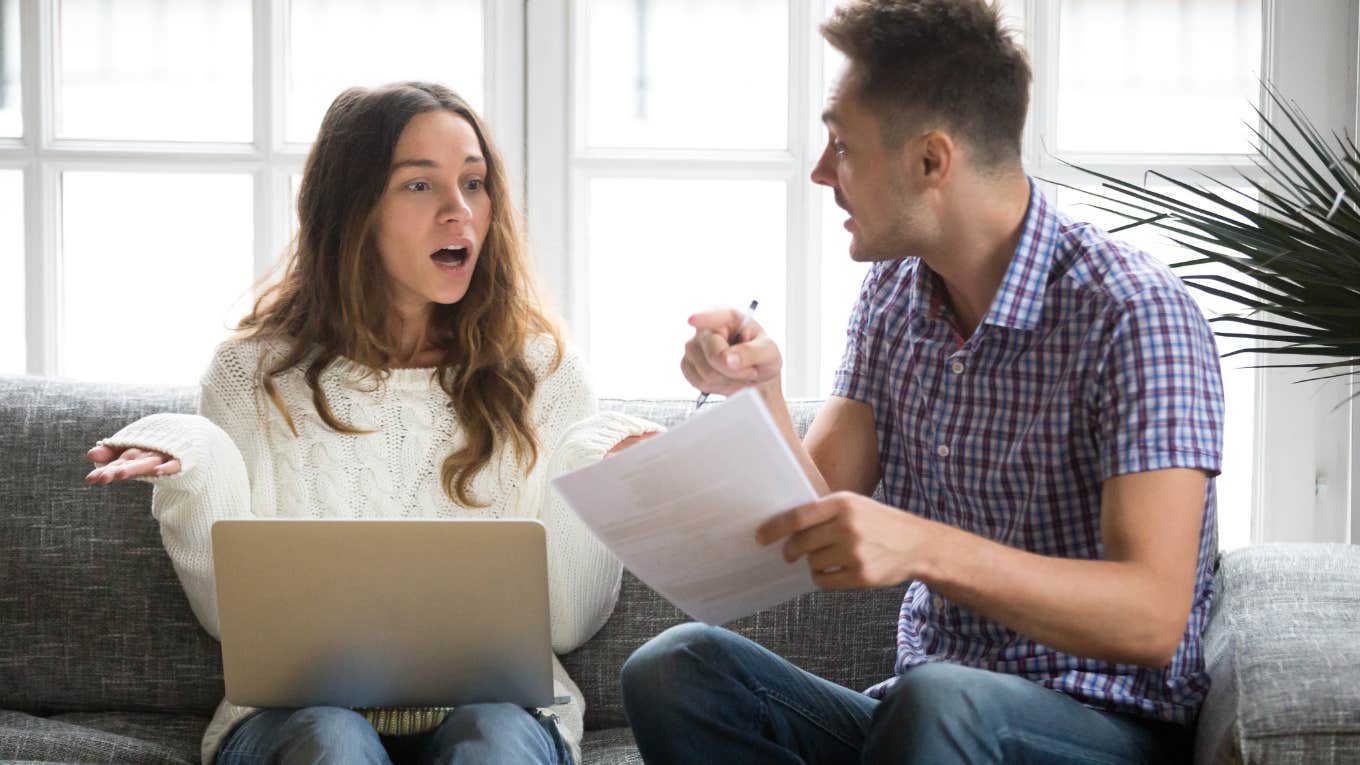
{"x":418,"y":186}
{"x":476,"y":184}
{"x":838,"y":148}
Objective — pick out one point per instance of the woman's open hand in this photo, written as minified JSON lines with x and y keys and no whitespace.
{"x":629,"y":441}
{"x":118,"y":465}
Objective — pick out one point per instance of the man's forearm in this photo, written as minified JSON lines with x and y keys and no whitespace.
{"x":779,"y":409}
{"x":1109,"y":610}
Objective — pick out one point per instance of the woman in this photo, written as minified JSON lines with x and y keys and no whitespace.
{"x":401,"y":367}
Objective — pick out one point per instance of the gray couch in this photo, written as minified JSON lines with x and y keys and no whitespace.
{"x":101,"y":660}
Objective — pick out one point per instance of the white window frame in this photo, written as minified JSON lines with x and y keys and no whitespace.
{"x":561,"y":167}
{"x":267,"y":158}
{"x":1300,"y":442}
{"x":1306,"y":462}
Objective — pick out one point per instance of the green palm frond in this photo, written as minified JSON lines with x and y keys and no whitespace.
{"x":1292,"y":252}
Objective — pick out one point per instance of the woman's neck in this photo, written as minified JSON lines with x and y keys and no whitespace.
{"x":413,"y":348}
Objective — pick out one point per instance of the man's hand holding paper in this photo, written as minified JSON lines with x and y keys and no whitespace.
{"x":852,"y":541}
{"x":681,"y":510}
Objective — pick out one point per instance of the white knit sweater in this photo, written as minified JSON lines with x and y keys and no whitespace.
{"x":239,"y":460}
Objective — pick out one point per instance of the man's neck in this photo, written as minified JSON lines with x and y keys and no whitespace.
{"x":979,"y":236}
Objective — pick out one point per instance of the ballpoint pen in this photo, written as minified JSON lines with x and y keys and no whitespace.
{"x":731,"y":340}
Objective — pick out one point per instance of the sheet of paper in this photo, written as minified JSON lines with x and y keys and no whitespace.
{"x":681,"y":510}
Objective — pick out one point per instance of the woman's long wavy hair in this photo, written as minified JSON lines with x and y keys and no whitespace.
{"x":333,"y":299}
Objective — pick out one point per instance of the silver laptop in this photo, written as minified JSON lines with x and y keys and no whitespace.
{"x":383,"y":613}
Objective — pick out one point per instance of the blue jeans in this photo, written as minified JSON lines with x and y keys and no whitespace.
{"x":475,"y":734}
{"x":699,"y":694}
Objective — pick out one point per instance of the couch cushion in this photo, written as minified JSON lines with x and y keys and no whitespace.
{"x":611,"y":746}
{"x":92,"y":616}
{"x":129,"y":737}
{"x":1283,"y":656}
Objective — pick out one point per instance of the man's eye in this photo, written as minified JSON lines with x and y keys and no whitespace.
{"x":418,"y":186}
{"x":838,"y":148}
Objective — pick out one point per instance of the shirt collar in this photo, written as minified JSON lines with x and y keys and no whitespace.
{"x":1019,"y":300}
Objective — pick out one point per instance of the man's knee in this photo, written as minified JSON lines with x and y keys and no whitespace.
{"x":950,"y":692}
{"x":942,"y":713}
{"x":668,"y":657}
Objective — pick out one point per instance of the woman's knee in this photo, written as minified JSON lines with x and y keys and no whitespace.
{"x":329,"y":734}
{"x":488,"y":721}
{"x":493,"y":733}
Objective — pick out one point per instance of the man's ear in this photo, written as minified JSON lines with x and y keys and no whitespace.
{"x":938,"y":153}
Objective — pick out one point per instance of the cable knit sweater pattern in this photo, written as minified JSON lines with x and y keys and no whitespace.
{"x":240,"y":460}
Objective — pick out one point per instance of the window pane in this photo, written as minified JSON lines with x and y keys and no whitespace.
{"x":1239,"y":382}
{"x":841,"y":280}
{"x":151,"y":283}
{"x":1178,"y":77}
{"x":336,"y":44}
{"x":1013,"y":11}
{"x":294,"y":186}
{"x":12,"y":345}
{"x":148,"y":70}
{"x":708,"y":74}
{"x":11,"y":94}
{"x":650,"y":269}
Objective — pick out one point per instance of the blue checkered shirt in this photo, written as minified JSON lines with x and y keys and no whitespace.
{"x":1093,"y":361}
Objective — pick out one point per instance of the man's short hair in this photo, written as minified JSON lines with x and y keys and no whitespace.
{"x":950,"y":62}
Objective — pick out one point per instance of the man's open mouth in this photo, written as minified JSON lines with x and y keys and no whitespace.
{"x":450,"y":256}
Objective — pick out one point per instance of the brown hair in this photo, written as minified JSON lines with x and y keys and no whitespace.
{"x":951,"y":61}
{"x":333,"y":298}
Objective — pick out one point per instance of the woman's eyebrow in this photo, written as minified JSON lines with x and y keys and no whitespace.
{"x":472,"y":159}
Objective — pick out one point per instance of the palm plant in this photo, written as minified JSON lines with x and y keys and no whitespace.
{"x":1294,"y":261}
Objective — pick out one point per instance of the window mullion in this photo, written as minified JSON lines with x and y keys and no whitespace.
{"x":266,"y":24}
{"x":1042,"y":28}
{"x":503,"y":82}
{"x":41,"y":202}
{"x":803,"y":304}
{"x":548,"y":198}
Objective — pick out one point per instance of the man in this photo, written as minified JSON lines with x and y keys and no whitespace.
{"x":1043,"y":408}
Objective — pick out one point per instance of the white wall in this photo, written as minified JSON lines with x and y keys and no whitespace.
{"x":1306,"y":452}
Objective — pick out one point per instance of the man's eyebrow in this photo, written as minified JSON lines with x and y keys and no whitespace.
{"x":829,"y":116}
{"x":472,"y":159}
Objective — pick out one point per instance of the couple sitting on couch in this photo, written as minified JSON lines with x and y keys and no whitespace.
{"x":1040,"y":404}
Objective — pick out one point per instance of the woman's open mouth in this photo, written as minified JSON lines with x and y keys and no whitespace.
{"x":450,"y":258}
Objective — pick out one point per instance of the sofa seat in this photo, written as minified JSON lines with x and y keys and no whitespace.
{"x":1283,"y":649}
{"x":135,"y":738}
{"x":610,"y":746}
{"x":102,"y":660}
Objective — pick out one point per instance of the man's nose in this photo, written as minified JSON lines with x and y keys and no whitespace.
{"x":822,"y":173}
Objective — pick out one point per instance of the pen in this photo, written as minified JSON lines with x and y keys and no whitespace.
{"x":732,"y":340}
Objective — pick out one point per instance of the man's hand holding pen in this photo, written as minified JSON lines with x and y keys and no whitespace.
{"x":730,"y":351}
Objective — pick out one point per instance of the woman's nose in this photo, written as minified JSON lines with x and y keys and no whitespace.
{"x":455,"y":208}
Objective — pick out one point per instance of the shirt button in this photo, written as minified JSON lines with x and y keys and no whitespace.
{"x":957,"y":367}
{"x":937,"y":602}
{"x":942,"y":450}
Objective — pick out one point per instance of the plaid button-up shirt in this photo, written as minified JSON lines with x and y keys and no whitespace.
{"x":1093,"y":361}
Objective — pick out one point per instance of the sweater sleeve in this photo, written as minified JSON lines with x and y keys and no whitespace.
{"x":212,"y":483}
{"x":583,"y":575}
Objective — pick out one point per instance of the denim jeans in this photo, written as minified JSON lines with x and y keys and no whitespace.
{"x":699,"y":694}
{"x":477,"y":734}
